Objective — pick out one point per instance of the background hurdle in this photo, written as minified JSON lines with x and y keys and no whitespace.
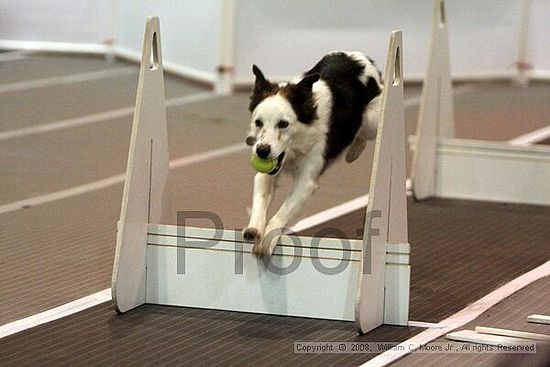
{"x":146,"y":260}
{"x":461,"y":168}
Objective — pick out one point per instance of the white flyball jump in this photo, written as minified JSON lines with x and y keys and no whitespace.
{"x":363,"y":281}
{"x":468,"y":169}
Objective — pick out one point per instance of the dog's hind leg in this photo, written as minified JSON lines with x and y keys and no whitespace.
{"x":358,"y":145}
{"x":366,"y":132}
{"x":264,"y":185}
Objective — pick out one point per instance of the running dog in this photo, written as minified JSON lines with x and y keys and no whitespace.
{"x":306,"y":124}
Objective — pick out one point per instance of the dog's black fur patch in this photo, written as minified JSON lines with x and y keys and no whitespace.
{"x":300,"y":97}
{"x":349,"y":99}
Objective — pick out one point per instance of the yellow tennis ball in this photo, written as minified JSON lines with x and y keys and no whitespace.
{"x":263,"y":165}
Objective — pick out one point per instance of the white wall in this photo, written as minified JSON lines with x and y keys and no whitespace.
{"x":284,"y":37}
{"x":483,"y":36}
{"x":190,"y":31}
{"x":539,"y":36}
{"x":72,"y":21}
{"x":287,"y":36}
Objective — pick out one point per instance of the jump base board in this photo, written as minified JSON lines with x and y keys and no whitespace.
{"x":215,"y":269}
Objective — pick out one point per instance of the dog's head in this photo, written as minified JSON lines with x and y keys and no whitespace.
{"x":279,"y":111}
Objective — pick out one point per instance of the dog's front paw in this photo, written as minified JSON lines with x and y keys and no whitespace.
{"x":251,"y":234}
{"x":259,"y":250}
{"x":265,"y":248}
{"x":267,"y":245}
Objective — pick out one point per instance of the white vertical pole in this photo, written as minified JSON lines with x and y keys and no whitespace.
{"x":111,"y":38}
{"x":224,"y":82}
{"x":522,"y":62}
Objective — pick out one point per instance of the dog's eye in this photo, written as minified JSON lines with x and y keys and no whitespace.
{"x":259,"y":123}
{"x":282,"y":124}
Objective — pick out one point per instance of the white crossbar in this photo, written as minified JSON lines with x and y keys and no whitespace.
{"x":512,"y":333}
{"x":489,"y":171}
{"x":470,"y":336}
{"x":303,"y":271}
{"x":539,"y":319}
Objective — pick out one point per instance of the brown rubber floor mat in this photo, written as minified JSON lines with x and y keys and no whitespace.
{"x":501,"y":111}
{"x":40,"y":164}
{"x":511,"y":313}
{"x":55,"y":103}
{"x":462,"y":250}
{"x":55,"y":253}
{"x":170,"y":336}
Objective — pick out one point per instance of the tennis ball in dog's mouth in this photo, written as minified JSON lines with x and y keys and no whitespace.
{"x":263,"y":165}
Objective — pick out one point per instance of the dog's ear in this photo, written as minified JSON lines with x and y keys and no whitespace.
{"x":261,"y":82}
{"x":305,"y":85}
{"x":262,"y":88}
{"x":301,"y":97}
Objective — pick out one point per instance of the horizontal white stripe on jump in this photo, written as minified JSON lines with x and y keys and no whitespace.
{"x":460,"y":318}
{"x":532,"y":137}
{"x":55,"y":313}
{"x":66,"y":79}
{"x":117,"y":179}
{"x":97,"y":117}
{"x":13,"y":55}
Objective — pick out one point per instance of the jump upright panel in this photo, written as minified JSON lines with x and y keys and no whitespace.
{"x":386,"y":219}
{"x":447,"y":167}
{"x":436,"y":114}
{"x":146,"y":174}
{"x":215,"y":269}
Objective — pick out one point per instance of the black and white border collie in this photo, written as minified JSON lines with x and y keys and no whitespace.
{"x":307,"y":124}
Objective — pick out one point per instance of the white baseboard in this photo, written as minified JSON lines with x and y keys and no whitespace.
{"x":539,"y":75}
{"x":492,"y":171}
{"x":85,"y":48}
{"x":99,"y":49}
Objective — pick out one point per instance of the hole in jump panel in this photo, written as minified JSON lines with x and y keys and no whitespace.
{"x":397,"y":67}
{"x":441,"y":13}
{"x":154,"y":56}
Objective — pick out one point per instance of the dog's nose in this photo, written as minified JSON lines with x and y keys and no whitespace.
{"x":263,"y":150}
